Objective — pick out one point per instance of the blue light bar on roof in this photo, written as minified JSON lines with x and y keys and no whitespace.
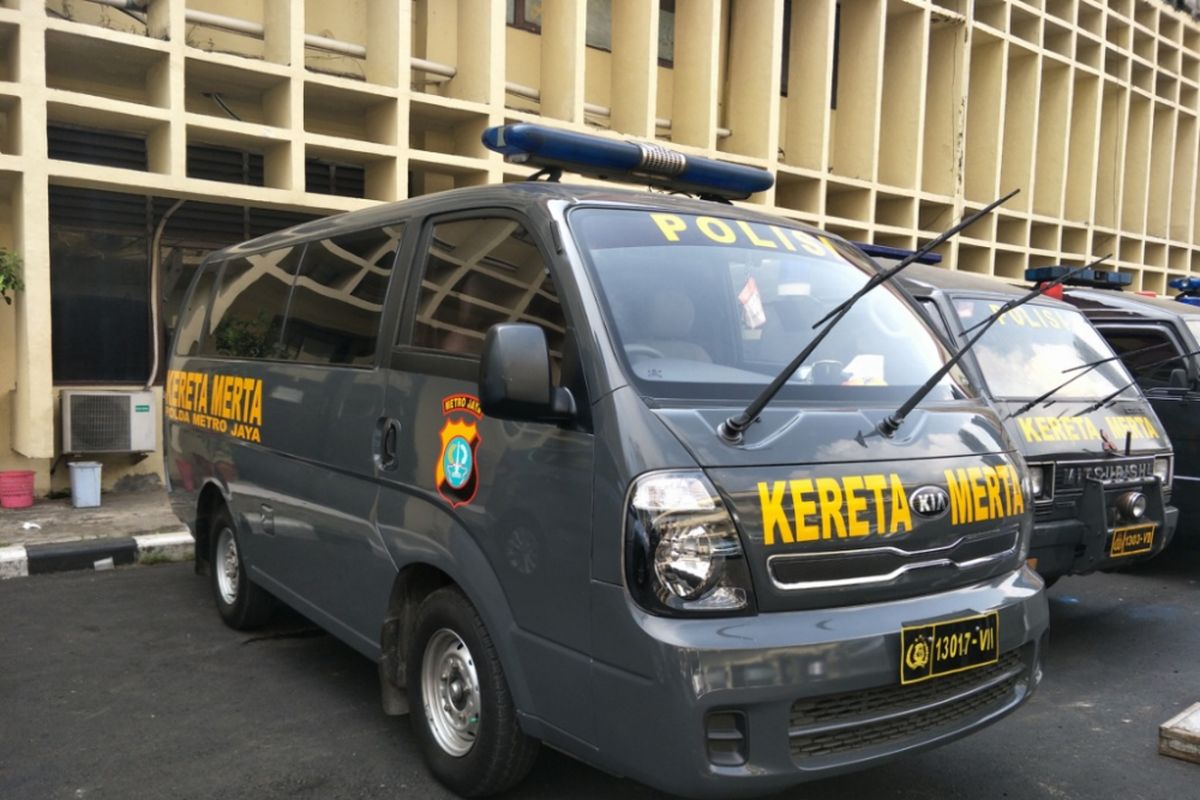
{"x":1088,"y":277}
{"x":1191,"y":301}
{"x":632,"y":162}
{"x":1185,"y":284}
{"x":896,"y":253}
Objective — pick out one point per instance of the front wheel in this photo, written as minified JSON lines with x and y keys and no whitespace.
{"x":461,"y":708}
{"x":242,"y":604}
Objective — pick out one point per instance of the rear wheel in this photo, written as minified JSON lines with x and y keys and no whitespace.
{"x":242,"y":604}
{"x":462,"y":712}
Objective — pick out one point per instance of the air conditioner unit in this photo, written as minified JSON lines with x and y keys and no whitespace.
{"x":108,"y":422}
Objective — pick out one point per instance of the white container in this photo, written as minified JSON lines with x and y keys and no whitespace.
{"x":85,"y":484}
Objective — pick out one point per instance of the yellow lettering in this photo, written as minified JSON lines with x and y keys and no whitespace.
{"x":809,"y":244}
{"x":1089,"y":427}
{"x":804,"y":508}
{"x":995,"y":508}
{"x":753,"y":237}
{"x":900,"y":517}
{"x":775,"y":229}
{"x":773,"y":515}
{"x":716,"y":229}
{"x":875,"y":485}
{"x":670,"y":225}
{"x":1028,"y":430}
{"x":960,"y":499}
{"x":829,"y":493}
{"x":1044,"y":429}
{"x":856,"y":503}
{"x":256,"y":404}
{"x":1056,"y":426}
{"x":978,"y":490}
{"x":202,"y":396}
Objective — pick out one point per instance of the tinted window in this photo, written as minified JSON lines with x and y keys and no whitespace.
{"x":338,"y":300}
{"x":249,"y":304}
{"x":190,"y":325}
{"x":482,"y":272}
{"x":1144,"y":351}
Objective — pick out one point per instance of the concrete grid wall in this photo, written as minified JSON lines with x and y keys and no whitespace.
{"x":931,"y":108}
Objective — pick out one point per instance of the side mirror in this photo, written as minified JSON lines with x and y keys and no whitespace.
{"x":514,"y":376}
{"x":1179,"y":379}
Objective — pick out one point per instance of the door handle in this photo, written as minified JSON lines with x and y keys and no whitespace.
{"x":388,"y":443}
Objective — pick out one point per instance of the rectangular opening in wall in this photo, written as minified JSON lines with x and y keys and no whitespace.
{"x":1090,"y":18}
{"x":1191,"y":66}
{"x":1143,"y":45}
{"x":1146,"y":15}
{"x":1177,"y":259}
{"x":982,"y":148}
{"x":351,"y":114}
{"x":897,"y":240}
{"x":1155,"y":255}
{"x":1181,"y":178}
{"x":1171,"y":29}
{"x":1053,"y":117}
{"x":342,"y":32}
{"x":899,"y":123}
{"x":1153,"y":282}
{"x":1195,"y":262}
{"x":10,"y":128}
{"x":9,"y":55}
{"x":1011,"y":264}
{"x":436,"y":127}
{"x":974,"y":259}
{"x":848,"y":202}
{"x":854,"y":233}
{"x":90,"y":146}
{"x":1013,"y":231}
{"x":798,"y":192}
{"x":1109,"y":157}
{"x":225,"y":164}
{"x":1081,"y":161}
{"x":935,"y":216}
{"x":1059,"y":39}
{"x":1116,"y":32}
{"x":1116,"y":64}
{"x":1129,"y":251}
{"x":1061,"y":10}
{"x":1161,"y":158}
{"x":1166,"y":87}
{"x":942,"y":124}
{"x":1104,"y":244}
{"x":425,"y":177}
{"x":1043,"y":236}
{"x":227,"y":92}
{"x":216,"y":37}
{"x":106,"y":68}
{"x":958,"y":7}
{"x":895,"y":210}
{"x":1141,"y":76}
{"x":1136,"y":165}
{"x":336,"y":176}
{"x":1026,"y":25}
{"x":1087,"y":51}
{"x":1074,"y":240}
{"x":1168,"y":58}
{"x":1187,"y":96}
{"x":855,"y":119}
{"x":102,"y":16}
{"x":993,"y":13}
{"x":1020,"y":108}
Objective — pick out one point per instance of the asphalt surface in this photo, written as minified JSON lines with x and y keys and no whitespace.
{"x":125,"y":684}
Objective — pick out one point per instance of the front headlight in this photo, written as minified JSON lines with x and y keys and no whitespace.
{"x":1162,"y":470}
{"x":1041,"y":482}
{"x":682,"y":551}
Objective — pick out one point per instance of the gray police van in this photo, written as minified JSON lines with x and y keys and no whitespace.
{"x":540,"y":451}
{"x":1099,"y":457}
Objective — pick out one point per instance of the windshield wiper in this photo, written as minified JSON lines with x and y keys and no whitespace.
{"x":1099,"y":404}
{"x":1081,"y":370}
{"x":732,"y":428}
{"x":892,"y":422}
{"x":1112,"y":398}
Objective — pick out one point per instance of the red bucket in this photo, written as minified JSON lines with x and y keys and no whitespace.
{"x":16,"y":488}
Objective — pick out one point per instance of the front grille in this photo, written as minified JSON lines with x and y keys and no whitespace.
{"x":836,"y":724}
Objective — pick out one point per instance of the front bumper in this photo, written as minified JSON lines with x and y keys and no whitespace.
{"x":1081,"y":542}
{"x":797,"y":696}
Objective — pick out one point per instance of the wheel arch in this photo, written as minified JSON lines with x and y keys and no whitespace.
{"x":211,"y":498}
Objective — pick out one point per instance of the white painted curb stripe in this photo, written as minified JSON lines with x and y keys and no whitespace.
{"x":176,"y":546}
{"x":13,"y":562}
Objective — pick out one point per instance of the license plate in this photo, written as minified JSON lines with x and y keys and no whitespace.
{"x":943,"y":648}
{"x":1132,"y":540}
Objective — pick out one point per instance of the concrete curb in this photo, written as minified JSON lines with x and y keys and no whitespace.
{"x":18,"y":561}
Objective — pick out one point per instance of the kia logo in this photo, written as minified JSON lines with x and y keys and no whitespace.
{"x":929,"y":501}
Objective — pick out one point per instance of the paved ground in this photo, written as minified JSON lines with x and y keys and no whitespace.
{"x":121,"y":514}
{"x":125,"y":684}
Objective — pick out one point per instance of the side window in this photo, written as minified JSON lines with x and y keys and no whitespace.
{"x":338,"y":300}
{"x":1141,"y":349}
{"x":189,"y":328}
{"x":249,"y":304}
{"x":481,"y":272}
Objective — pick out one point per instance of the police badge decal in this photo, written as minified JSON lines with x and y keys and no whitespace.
{"x":457,"y":473}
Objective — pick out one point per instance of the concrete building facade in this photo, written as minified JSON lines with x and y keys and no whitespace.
{"x":883,"y":120}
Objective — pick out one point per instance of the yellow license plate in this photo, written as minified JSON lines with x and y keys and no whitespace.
{"x":943,"y":648}
{"x":1132,"y":540}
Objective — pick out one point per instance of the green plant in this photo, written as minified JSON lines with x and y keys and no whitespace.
{"x":10,"y":274}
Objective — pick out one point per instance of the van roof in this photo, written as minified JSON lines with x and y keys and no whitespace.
{"x":522,"y":194}
{"x":1124,"y":305}
{"x":925,"y":281}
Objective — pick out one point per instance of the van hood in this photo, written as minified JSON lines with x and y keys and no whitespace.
{"x":1069,"y":430}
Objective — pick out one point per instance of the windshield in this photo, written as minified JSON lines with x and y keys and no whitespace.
{"x":1029,"y":349}
{"x":715,"y":308}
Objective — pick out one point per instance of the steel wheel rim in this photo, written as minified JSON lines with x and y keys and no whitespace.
{"x":450,"y":692}
{"x":227,"y":566}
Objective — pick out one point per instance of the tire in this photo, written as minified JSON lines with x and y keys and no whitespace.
{"x":241,"y":603}
{"x":454,"y":675}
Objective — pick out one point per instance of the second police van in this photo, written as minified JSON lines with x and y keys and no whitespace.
{"x":1099,"y":456}
{"x":573,"y":466}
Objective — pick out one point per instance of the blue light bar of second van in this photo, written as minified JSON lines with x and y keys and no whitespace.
{"x":896,"y":253}
{"x":636,"y":162}
{"x":1184,"y":284}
